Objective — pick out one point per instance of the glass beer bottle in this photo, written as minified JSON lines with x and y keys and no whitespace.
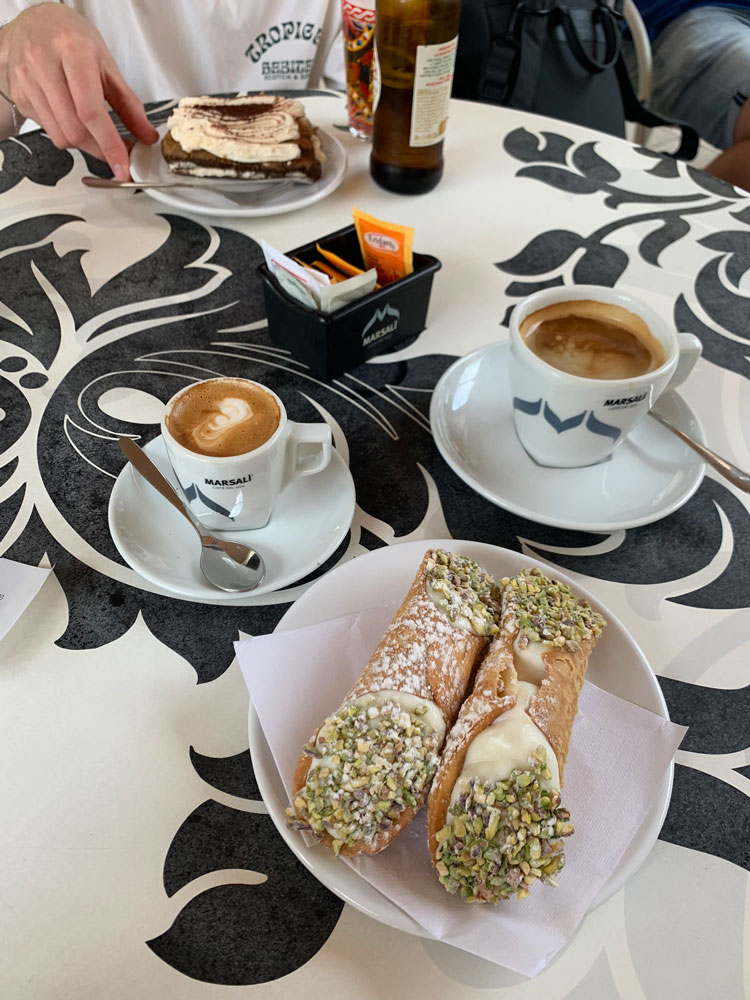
{"x":415,"y":51}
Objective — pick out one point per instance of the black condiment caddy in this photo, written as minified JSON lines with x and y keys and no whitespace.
{"x":331,"y":344}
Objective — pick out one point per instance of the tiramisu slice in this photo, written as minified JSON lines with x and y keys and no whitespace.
{"x":255,"y":137}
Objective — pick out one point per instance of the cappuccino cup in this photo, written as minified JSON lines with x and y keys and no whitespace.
{"x":586,"y":364}
{"x":233,"y":450}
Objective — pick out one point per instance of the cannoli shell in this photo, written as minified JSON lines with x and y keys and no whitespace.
{"x":554,"y":706}
{"x":423,"y":654}
{"x":553,"y":709}
{"x":494,"y":692}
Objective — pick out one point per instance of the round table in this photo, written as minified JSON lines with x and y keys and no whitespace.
{"x":135,"y":842}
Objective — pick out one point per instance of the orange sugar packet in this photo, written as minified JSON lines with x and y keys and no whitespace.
{"x":317,"y":267}
{"x":332,"y":273}
{"x":301,"y":263}
{"x":351,"y":270}
{"x":386,"y":246}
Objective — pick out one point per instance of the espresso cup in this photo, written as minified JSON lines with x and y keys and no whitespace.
{"x":233,"y":450}
{"x":586,"y":364}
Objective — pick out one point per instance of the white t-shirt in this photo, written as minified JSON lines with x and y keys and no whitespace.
{"x":176,"y":48}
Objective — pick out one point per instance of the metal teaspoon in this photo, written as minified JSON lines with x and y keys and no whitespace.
{"x":729,"y":471}
{"x":229,"y":566}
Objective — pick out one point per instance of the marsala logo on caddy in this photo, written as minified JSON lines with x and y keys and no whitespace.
{"x":369,"y":336}
{"x":625,"y":400}
{"x":284,"y":32}
{"x":228,"y":482}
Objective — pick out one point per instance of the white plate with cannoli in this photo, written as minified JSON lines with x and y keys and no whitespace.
{"x":649,"y":476}
{"x":381,"y":578}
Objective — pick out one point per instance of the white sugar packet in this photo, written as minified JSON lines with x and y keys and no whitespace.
{"x":617,"y":759}
{"x":19,"y":585}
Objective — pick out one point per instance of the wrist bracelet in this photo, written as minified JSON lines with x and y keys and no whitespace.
{"x":18,"y":118}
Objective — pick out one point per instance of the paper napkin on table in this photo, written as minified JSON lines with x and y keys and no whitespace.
{"x":618,"y":756}
{"x":19,"y":585}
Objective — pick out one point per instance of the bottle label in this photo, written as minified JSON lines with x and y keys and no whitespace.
{"x":375,"y":81}
{"x":432,"y":91}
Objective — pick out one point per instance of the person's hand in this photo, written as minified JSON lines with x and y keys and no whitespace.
{"x":55,"y":67}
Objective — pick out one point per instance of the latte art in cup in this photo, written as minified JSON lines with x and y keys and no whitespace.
{"x":591,"y":339}
{"x":234,"y":451}
{"x":223,"y":416}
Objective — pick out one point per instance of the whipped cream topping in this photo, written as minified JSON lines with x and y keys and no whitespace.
{"x":260,"y":129}
{"x":228,"y":414}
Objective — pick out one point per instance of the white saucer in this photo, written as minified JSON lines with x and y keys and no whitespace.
{"x":649,"y":476}
{"x":236,"y":198}
{"x":383,"y":577}
{"x":309,"y":521}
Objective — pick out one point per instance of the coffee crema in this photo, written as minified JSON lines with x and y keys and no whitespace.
{"x":591,"y":339}
{"x":223,"y":417}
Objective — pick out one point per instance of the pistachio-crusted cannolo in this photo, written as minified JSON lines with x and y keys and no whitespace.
{"x":367,"y":769}
{"x":495,"y":820}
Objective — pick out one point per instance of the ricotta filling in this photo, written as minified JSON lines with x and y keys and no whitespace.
{"x":508,"y":743}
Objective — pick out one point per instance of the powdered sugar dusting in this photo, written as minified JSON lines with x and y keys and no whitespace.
{"x":419,"y":639}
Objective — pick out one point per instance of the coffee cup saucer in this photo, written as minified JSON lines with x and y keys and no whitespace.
{"x":649,"y":476}
{"x":309,"y":522}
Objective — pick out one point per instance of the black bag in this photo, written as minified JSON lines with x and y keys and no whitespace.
{"x":555,"y":59}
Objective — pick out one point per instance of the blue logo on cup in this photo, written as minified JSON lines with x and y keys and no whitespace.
{"x":534,"y":408}
{"x":192,"y":493}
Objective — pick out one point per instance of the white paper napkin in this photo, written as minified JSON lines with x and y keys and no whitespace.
{"x":19,"y":585}
{"x":617,"y":759}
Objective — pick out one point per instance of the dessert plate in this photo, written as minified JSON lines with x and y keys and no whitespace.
{"x":383,"y":577}
{"x":309,"y":522}
{"x":237,"y":198}
{"x":649,"y":476}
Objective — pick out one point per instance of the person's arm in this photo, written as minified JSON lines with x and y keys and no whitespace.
{"x":56,"y":68}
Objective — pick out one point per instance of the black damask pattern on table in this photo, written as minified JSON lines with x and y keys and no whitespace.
{"x":706,"y":814}
{"x":195,"y":323}
{"x":198,"y":307}
{"x":656,"y":553}
{"x":580,"y":169}
{"x":191,"y":320}
{"x":245,"y":945}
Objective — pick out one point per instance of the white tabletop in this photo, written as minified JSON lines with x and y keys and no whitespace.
{"x":135,"y":842}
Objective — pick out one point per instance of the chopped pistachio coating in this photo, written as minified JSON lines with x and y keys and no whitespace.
{"x":463,"y":590}
{"x":374,"y":761}
{"x":548,"y":611}
{"x":503,"y":836}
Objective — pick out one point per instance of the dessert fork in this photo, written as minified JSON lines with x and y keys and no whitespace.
{"x":110,"y":182}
